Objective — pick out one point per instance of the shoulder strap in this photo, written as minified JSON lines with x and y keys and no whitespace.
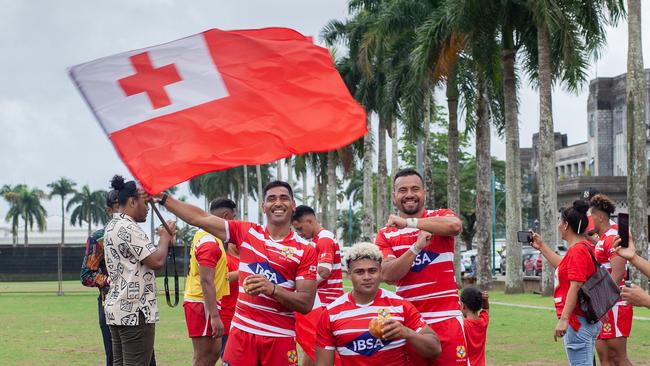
{"x":592,"y":255}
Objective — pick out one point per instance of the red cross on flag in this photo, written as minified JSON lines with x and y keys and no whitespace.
{"x":217,"y":100}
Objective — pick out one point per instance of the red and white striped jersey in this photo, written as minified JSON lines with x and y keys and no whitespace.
{"x":605,"y":250}
{"x":329,"y":254}
{"x":430,"y":284}
{"x":283,"y":262}
{"x":343,"y":327}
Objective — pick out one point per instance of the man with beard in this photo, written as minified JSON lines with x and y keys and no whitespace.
{"x":277,"y":277}
{"x":131,"y":259}
{"x":423,"y":267}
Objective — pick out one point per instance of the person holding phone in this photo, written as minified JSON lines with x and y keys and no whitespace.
{"x":571,"y":272}
{"x":612,"y":341}
{"x":633,"y":294}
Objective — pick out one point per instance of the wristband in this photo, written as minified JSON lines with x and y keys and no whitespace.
{"x":414,"y":248}
{"x":163,"y":199}
{"x":412,"y":222}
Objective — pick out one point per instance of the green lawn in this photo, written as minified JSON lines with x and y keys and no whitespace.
{"x":42,"y":328}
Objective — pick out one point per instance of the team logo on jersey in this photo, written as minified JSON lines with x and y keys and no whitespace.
{"x":607,"y":327}
{"x":292,"y":356}
{"x":265,"y":269}
{"x":287,"y":252}
{"x":460,"y":352}
{"x":422,"y":260}
{"x":383,"y":314}
{"x":366,"y":344}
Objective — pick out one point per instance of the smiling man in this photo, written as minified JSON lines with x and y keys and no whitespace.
{"x":344,"y":324}
{"x":277,"y":277}
{"x":418,"y":250}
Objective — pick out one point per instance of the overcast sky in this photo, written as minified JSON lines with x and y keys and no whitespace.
{"x":48,"y":131}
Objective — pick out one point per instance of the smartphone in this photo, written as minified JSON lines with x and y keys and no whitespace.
{"x":624,"y":229}
{"x":524,"y":237}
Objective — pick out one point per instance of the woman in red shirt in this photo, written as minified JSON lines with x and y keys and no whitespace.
{"x":571,"y":272}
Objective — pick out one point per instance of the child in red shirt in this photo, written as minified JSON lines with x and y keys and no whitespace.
{"x":474,"y":306}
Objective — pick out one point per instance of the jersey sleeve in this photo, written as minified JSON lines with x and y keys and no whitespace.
{"x":412,"y":317}
{"x":580,"y":265}
{"x":445,"y":212}
{"x":485,"y":317}
{"x":384,"y":245}
{"x":208,"y":252}
{"x":324,"y":334}
{"x":307,"y":266}
{"x":236,"y":231}
{"x":325,"y":250}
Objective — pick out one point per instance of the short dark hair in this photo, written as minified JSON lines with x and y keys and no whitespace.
{"x":602,"y":203}
{"x":576,"y":216}
{"x":472,"y":298}
{"x":302,"y":211}
{"x":405,"y":173}
{"x":278,"y":183}
{"x":111,"y":197}
{"x":125,"y":190}
{"x":222,"y":202}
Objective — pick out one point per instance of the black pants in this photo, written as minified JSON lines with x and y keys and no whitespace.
{"x":133,"y":345}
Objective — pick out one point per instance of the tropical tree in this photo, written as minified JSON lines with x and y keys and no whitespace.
{"x":25,"y":204}
{"x":637,"y":174}
{"x":349,"y":221}
{"x":62,"y":187}
{"x":88,"y":206}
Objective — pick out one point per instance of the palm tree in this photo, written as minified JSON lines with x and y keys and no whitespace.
{"x":11,"y":201}
{"x":25,"y":204}
{"x":62,"y":187}
{"x":567,"y":33}
{"x":637,"y":174}
{"x":88,"y":206}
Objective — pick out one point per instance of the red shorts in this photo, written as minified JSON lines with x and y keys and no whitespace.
{"x":618,"y":322}
{"x":452,"y":340}
{"x":247,"y":349}
{"x":197,"y":319}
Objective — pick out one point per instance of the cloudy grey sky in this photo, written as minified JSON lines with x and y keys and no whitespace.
{"x":49,"y":132}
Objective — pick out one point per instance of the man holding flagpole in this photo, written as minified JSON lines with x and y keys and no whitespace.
{"x":277,"y":277}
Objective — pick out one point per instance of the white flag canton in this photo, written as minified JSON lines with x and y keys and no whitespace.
{"x":136,"y":86}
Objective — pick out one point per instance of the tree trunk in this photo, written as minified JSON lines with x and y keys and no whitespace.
{"x":427,"y":165}
{"x":245,"y":200}
{"x":89,"y":226}
{"x":324,"y":202}
{"x":260,"y":195}
{"x":637,"y":175}
{"x":453,"y":192}
{"x":483,"y":191}
{"x":304,"y":188}
{"x":278,"y":170}
{"x":26,"y":238}
{"x":62,"y":222}
{"x":289,"y":171}
{"x":382,"y":172}
{"x":331,"y":190}
{"x":546,"y":157}
{"x":394,"y":161}
{"x":514,"y":275}
{"x":368,"y":212}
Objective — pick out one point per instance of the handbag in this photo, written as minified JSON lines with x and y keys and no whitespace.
{"x":599,"y":294}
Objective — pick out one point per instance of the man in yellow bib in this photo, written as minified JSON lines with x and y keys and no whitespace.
{"x":207,"y":283}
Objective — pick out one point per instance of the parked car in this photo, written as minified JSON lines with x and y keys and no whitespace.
{"x":466,"y":260}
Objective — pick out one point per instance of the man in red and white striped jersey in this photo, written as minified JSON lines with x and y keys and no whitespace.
{"x":418,"y":250}
{"x":277,"y":277}
{"x":345,"y":324}
{"x":329,"y":276}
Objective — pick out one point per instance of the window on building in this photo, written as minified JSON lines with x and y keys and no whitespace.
{"x":618,"y":120}
{"x":592,"y":125}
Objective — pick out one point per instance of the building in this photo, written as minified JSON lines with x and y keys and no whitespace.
{"x":599,"y":162}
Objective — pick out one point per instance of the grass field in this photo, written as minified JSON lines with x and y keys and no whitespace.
{"x":37,"y":327}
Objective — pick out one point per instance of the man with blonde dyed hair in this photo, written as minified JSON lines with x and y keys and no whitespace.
{"x":344,"y":324}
